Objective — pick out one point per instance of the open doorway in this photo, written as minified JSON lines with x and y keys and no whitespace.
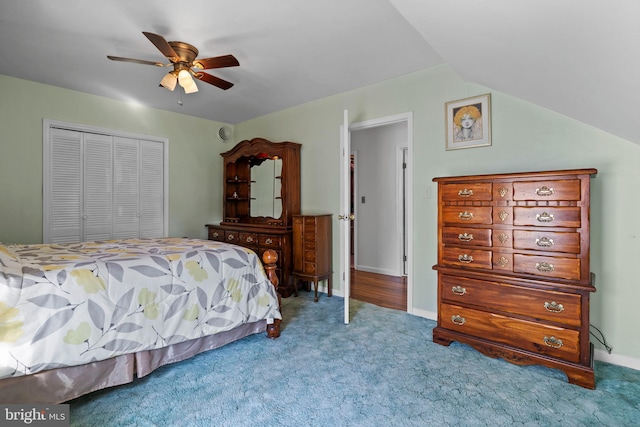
{"x":381,"y":182}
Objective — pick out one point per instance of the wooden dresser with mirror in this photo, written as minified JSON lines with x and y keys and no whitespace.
{"x":261,"y":191}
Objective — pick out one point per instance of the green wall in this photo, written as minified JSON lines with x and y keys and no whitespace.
{"x":194,"y":163}
{"x":525,"y":138}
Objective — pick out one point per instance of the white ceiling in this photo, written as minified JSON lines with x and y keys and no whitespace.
{"x":580,"y":58}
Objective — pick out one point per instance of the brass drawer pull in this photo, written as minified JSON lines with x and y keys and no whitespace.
{"x":459,"y":320}
{"x":268,"y":241}
{"x":230,"y":237}
{"x":214,"y":234}
{"x":544,"y":242}
{"x":554,"y":307}
{"x":544,"y":217}
{"x":249,"y":239}
{"x":553,"y":342}
{"x":544,"y":267}
{"x":458,"y":290}
{"x":544,"y":191}
{"x":465,"y":215}
{"x":467,"y":259}
{"x":465,"y":193}
{"x":465,"y":237}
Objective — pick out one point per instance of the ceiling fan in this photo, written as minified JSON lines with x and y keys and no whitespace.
{"x":183,"y":58}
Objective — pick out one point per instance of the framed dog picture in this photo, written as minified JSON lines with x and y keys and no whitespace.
{"x":468,"y":122}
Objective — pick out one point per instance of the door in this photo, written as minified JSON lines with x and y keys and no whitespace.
{"x":100,"y":184}
{"x":404,"y":226}
{"x":345,"y":217}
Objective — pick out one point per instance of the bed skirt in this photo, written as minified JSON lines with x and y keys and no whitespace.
{"x":64,"y":384}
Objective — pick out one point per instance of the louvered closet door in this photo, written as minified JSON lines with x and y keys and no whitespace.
{"x":63,"y":186}
{"x":151,"y":189}
{"x":97,"y":189}
{"x":126,"y":188}
{"x":100,"y":187}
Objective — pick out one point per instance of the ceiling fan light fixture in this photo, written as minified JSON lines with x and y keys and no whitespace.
{"x":191,"y":88}
{"x":183,"y":57}
{"x":185,"y":79}
{"x":169,"y":81}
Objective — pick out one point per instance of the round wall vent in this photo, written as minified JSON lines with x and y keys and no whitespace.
{"x":225,"y":133}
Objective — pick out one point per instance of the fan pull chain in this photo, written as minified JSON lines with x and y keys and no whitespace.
{"x":180,"y":98}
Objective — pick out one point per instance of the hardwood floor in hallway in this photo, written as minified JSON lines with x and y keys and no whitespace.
{"x":379,"y":289}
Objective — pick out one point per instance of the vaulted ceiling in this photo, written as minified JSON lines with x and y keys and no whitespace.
{"x":578,"y":58}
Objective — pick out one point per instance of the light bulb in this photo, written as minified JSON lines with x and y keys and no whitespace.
{"x":184,"y":78}
{"x":191,"y":88}
{"x":169,"y":81}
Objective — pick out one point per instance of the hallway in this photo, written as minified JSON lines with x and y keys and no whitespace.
{"x":379,"y":289}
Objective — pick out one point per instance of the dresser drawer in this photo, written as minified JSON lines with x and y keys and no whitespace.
{"x":232,"y":237}
{"x":545,"y":216}
{"x":310,"y":268}
{"x":502,"y":238}
{"x":547,"y":241}
{"x":269,"y":241}
{"x":531,"y":336}
{"x":474,"y":191}
{"x":466,"y":214}
{"x":466,"y":236}
{"x":567,"y":189}
{"x":248,"y":239}
{"x":540,"y":304}
{"x":216,"y":234}
{"x":310,"y":221}
{"x":467,"y":257}
{"x":543,"y":266}
{"x":310,"y":256}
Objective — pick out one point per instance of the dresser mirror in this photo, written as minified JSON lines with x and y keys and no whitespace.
{"x":261,"y":183}
{"x":266,"y":187}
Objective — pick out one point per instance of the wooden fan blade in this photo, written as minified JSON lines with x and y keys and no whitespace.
{"x":162,"y":45}
{"x":136,"y":61}
{"x":216,"y":81}
{"x":216,"y":62}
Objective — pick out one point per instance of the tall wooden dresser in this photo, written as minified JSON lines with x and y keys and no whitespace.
{"x":312,"y":250}
{"x":513,"y":268}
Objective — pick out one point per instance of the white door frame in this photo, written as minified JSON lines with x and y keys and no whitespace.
{"x":344,"y":218}
{"x":382,"y":121}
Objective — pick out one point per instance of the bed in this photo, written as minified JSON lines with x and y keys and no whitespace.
{"x":79,"y":317}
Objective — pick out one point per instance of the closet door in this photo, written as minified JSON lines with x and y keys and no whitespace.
{"x":97,"y":169}
{"x":63,"y":187}
{"x":101,"y":186}
{"x":126,"y":185}
{"x":152,"y":201}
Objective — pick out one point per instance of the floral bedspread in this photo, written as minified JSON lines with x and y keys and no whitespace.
{"x":70,"y":304}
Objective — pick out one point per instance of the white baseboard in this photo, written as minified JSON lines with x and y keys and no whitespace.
{"x":377,"y":270}
{"x":617,"y":359}
{"x":424,"y":313}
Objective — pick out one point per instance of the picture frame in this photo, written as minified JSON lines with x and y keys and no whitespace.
{"x":468,"y":122}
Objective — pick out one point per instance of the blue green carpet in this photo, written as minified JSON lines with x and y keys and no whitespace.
{"x":380,"y":370}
